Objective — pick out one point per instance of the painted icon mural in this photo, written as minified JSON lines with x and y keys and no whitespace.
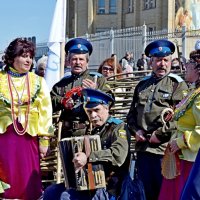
{"x":187,"y":12}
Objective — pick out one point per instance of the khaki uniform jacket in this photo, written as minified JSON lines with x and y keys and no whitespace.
{"x":77,"y":114}
{"x":151,"y":96}
{"x":114,"y":154}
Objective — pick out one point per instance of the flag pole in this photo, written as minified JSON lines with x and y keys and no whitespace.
{"x":62,"y":65}
{"x":62,"y":46}
{"x":59,"y":164}
{"x":62,"y":58}
{"x":56,"y":60}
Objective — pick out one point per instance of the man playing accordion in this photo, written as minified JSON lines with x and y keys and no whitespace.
{"x":114,"y":153}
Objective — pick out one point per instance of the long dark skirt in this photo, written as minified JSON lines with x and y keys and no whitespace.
{"x":191,"y":190}
{"x":171,"y":188}
{"x":19,"y":162}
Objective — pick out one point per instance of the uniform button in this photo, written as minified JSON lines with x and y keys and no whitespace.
{"x":104,"y":141}
{"x":152,"y":90}
{"x":96,"y":158}
{"x":90,"y":159}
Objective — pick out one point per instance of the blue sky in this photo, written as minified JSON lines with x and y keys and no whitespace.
{"x":25,"y":18}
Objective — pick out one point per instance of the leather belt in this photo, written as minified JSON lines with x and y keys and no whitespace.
{"x":78,"y":125}
{"x":74,"y":125}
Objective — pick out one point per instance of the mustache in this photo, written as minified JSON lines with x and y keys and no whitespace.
{"x":161,"y":68}
{"x":95,"y":119}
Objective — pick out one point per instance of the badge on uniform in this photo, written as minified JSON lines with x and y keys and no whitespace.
{"x":165,"y":95}
{"x":122,"y":134}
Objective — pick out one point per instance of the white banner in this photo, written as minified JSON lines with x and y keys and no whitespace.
{"x":56,"y":37}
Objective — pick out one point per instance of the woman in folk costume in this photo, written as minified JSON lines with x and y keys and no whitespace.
{"x":25,"y":122}
{"x":187,"y":141}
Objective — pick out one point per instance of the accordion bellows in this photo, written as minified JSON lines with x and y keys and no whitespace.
{"x":92,"y":175}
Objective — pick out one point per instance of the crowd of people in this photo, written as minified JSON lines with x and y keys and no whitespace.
{"x":163,"y":118}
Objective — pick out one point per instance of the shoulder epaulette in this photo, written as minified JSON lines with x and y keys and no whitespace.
{"x":114,"y":120}
{"x":175,"y":76}
{"x":65,"y":77}
{"x":95,"y":74}
{"x":146,"y":77}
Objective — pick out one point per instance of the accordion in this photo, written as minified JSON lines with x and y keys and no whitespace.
{"x":92,"y":175}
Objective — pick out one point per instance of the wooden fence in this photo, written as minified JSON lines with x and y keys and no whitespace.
{"x":123,"y":89}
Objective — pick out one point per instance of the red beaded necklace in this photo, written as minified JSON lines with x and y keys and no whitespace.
{"x":19,"y":103}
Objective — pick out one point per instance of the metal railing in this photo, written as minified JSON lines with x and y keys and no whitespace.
{"x":135,"y":39}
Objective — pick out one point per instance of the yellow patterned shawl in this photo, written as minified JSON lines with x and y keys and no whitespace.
{"x":40,"y":116}
{"x":188,"y":126}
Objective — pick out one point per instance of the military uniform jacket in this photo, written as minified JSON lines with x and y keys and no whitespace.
{"x":151,"y":96}
{"x":114,"y":154}
{"x":66,"y":84}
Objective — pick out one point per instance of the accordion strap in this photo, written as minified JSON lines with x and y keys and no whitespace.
{"x":90,"y":173}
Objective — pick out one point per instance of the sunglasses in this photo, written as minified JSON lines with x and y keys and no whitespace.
{"x":107,"y":69}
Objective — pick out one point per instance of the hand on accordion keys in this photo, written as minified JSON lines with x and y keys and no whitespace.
{"x":80,"y":160}
{"x":87,"y":175}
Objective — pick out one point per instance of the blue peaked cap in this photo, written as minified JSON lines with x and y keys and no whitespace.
{"x":93,"y":98}
{"x":79,"y":46}
{"x":159,"y":48}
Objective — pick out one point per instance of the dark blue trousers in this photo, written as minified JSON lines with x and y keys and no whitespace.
{"x":59,"y":192}
{"x":72,"y":194}
{"x":149,"y":172}
{"x":54,"y":191}
{"x":191,"y":190}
